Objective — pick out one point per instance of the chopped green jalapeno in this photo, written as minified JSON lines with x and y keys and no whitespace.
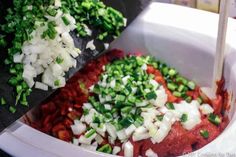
{"x":215,"y":119}
{"x":151,"y":95}
{"x":105,"y":149}
{"x":65,"y":20}
{"x":204,"y":133}
{"x":184,"y":118}
{"x":59,"y":60}
{"x":12,"y":109}
{"x":170,"y":106}
{"x":172,"y":72}
{"x":177,"y":94}
{"x":160,"y":117}
{"x":3,"y":101}
{"x":191,"y":85}
{"x":171,"y":86}
{"x":90,"y":133}
{"x":127,"y":121}
{"x":57,"y":82}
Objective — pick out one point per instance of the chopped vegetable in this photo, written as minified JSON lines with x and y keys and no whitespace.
{"x":160,"y":117}
{"x":42,"y":40}
{"x":204,"y":133}
{"x":215,"y":119}
{"x":191,"y":85}
{"x":151,"y":95}
{"x":59,"y":60}
{"x":65,"y":20}
{"x":105,"y":149}
{"x":12,"y":109}
{"x":128,"y":149}
{"x":129,"y":100}
{"x":3,"y":101}
{"x":170,"y":106}
{"x":90,"y":133}
{"x":184,"y":118}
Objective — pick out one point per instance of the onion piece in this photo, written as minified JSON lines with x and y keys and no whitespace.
{"x":121,"y":134}
{"x":17,"y":58}
{"x":150,"y":153}
{"x":90,"y":45}
{"x":78,"y":128}
{"x":130,"y":130}
{"x":89,"y":147}
{"x":116,"y":150}
{"x":111,"y":130}
{"x":75,"y":141}
{"x":206,"y":109}
{"x":99,"y":139}
{"x":128,"y":149}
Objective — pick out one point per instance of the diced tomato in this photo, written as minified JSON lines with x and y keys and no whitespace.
{"x":217,"y":104}
{"x":64,"y":135}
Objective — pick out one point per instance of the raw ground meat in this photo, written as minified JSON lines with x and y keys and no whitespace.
{"x":58,"y":112}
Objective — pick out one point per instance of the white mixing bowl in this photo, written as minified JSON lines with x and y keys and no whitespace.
{"x":182,"y":37}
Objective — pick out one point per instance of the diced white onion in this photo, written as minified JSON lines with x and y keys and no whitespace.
{"x":17,"y":58}
{"x":42,"y":86}
{"x":144,"y":67}
{"x":87,"y":30}
{"x":140,"y":134}
{"x":99,"y":139}
{"x":39,"y":55}
{"x":67,"y":39}
{"x":161,"y":97}
{"x":121,"y":134}
{"x":101,"y":129}
{"x":84,"y":140}
{"x":75,"y":141}
{"x":154,"y":83}
{"x":107,"y":106}
{"x":111,"y":140}
{"x":89,"y":117}
{"x":116,"y":150}
{"x":206,"y":109}
{"x":130,"y":130}
{"x":142,"y":104}
{"x":150,"y":153}
{"x":78,"y":128}
{"x":128,"y":149}
{"x":125,"y":79}
{"x":87,"y":106}
{"x":113,"y":83}
{"x":191,"y":109}
{"x":125,"y":22}
{"x":90,"y":45}
{"x":57,"y":3}
{"x":106,"y":46}
{"x":89,"y":147}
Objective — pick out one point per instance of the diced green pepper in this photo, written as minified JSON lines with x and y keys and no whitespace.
{"x":105,"y":149}
{"x":90,"y":133}
{"x":3,"y":101}
{"x":151,"y":95}
{"x":215,"y":119}
{"x":191,"y":85}
{"x":12,"y":109}
{"x":204,"y":133}
{"x":184,"y":118}
{"x":170,"y":106}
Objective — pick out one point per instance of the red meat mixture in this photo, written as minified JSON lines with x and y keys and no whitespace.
{"x":56,"y":115}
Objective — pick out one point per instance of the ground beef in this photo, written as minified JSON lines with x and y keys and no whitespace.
{"x":58,"y":112}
